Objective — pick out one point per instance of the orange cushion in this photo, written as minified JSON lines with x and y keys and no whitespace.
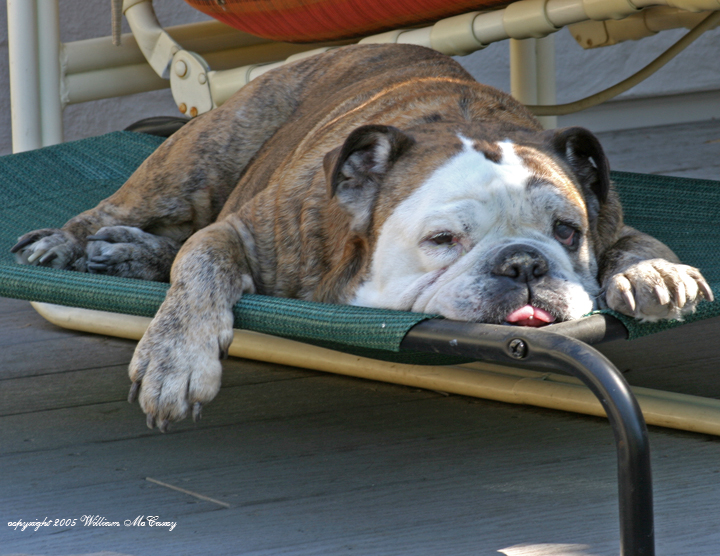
{"x":329,"y":20}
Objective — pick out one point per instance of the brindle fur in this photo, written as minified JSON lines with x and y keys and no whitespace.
{"x":264,"y":194}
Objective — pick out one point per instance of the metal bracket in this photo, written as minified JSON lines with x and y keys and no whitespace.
{"x":187,"y":71}
{"x":190,"y":84}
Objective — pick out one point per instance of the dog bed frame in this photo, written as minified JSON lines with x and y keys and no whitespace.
{"x":45,"y":187}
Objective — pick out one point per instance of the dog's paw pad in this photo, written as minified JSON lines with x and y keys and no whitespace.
{"x":657,"y":289}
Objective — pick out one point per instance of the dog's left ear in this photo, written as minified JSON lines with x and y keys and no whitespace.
{"x":355,"y":171}
{"x":584,"y":154}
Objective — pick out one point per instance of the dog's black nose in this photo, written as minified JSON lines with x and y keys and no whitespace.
{"x":521,"y":263}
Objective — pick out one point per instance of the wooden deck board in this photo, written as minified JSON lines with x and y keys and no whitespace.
{"x":66,"y":352}
{"x":312,"y":463}
{"x":106,"y":384}
{"x":683,"y":150}
{"x":684,"y":360}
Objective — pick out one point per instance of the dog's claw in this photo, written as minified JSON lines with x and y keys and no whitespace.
{"x":197,"y":411}
{"x":134,"y":391}
{"x":163,"y":426}
{"x":680,"y":295}
{"x":49,"y":257}
{"x":629,"y":299}
{"x":36,"y":255}
{"x":705,"y":289}
{"x":223,"y":353}
{"x":97,"y":266}
{"x":20,"y":244}
{"x":150,"y":421}
{"x":662,"y":295}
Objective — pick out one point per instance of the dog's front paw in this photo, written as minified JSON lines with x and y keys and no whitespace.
{"x":176,"y":367}
{"x":131,"y":253}
{"x":657,"y":289}
{"x":50,"y":247}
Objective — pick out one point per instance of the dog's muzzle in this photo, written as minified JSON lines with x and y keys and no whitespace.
{"x":520,"y":266}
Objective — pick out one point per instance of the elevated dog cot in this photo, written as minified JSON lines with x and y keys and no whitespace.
{"x":45,"y":187}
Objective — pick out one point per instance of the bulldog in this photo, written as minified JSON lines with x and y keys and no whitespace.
{"x":374,"y":175}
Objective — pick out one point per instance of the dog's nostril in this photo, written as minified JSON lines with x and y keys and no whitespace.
{"x":540,"y":269}
{"x":510,"y":270}
{"x":521,"y":264}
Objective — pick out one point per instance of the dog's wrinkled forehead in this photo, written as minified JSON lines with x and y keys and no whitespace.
{"x":514,"y":166}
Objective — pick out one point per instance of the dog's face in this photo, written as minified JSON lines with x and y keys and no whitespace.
{"x":497,"y":232}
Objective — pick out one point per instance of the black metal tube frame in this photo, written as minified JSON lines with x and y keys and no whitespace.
{"x":546,"y":348}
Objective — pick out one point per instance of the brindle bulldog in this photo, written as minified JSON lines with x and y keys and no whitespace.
{"x":374,"y":175}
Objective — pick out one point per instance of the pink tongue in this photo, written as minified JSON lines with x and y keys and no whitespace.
{"x":530,"y":316}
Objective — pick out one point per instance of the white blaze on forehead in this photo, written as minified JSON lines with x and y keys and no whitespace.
{"x":467,"y":194}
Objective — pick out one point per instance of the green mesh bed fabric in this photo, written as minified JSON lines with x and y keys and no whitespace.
{"x":46,"y":187}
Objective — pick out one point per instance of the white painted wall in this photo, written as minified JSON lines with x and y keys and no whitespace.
{"x":687,"y":89}
{"x":584,"y":72}
{"x":84,"y":19}
{"x":691,"y":80}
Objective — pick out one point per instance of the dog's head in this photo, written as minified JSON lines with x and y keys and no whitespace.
{"x":501,"y":227}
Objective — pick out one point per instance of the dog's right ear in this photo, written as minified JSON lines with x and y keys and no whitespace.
{"x":354,"y":172}
{"x":583,"y":152}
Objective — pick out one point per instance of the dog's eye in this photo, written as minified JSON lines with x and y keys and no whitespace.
{"x":566,"y":234}
{"x":443,"y":238}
